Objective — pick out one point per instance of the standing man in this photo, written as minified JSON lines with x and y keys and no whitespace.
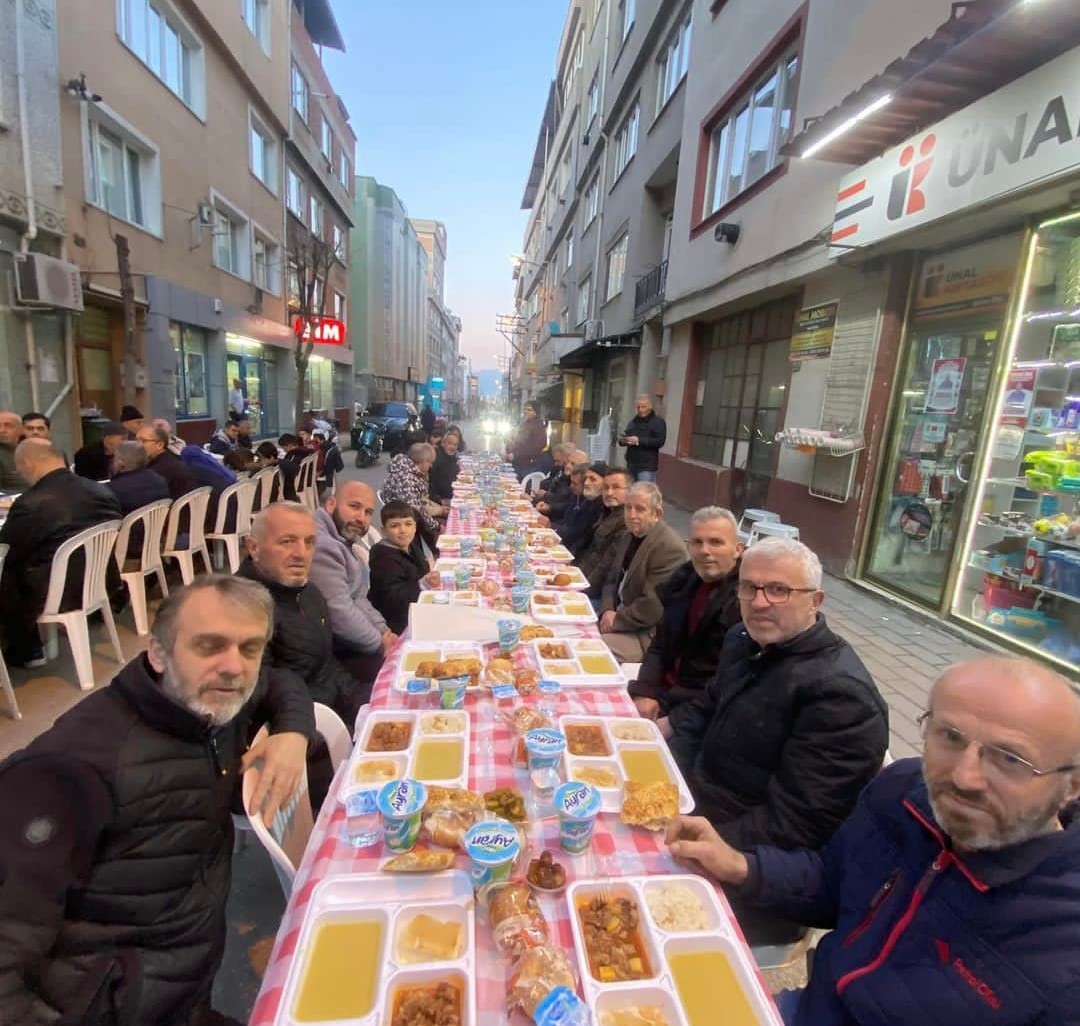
{"x":95,"y":461}
{"x":11,"y":431}
{"x":643,"y":439}
{"x":362,"y":638}
{"x":236,"y":399}
{"x":427,"y":420}
{"x":116,"y":852}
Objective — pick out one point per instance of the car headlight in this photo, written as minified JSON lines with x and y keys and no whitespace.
{"x":488,"y":426}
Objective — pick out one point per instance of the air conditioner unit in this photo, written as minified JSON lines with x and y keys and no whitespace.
{"x":206,"y":215}
{"x":593,"y":330}
{"x":42,"y":280}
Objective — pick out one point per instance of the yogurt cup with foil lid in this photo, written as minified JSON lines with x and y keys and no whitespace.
{"x":544,"y":748}
{"x":400,"y":804}
{"x":492,"y":846}
{"x":577,"y":805}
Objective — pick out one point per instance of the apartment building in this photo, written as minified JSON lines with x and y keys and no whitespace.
{"x":440,"y":387}
{"x":388,"y":297}
{"x":601,"y":190}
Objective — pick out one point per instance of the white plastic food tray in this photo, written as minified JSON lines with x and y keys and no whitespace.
{"x":422,"y":731}
{"x":569,"y":671}
{"x":546,"y":612}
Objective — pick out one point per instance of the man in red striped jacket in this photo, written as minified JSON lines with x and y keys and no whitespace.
{"x":953,"y":889}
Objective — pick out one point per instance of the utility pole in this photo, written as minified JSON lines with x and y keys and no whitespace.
{"x":127,"y":294}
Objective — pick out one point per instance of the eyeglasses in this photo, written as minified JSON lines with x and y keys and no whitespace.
{"x":946,"y":739}
{"x":776,"y":594}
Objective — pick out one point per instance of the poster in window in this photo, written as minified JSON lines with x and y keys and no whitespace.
{"x":196,"y":376}
{"x":946,"y":381}
{"x":1019,"y":397}
{"x":814,"y":330}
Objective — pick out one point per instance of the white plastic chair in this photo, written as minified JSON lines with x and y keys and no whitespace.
{"x":98,"y":543}
{"x":630,"y":671}
{"x":379,"y":496}
{"x":530,"y":482}
{"x":152,"y":516}
{"x":754,"y":516}
{"x":195,"y":502}
{"x":264,"y":483}
{"x":5,"y":680}
{"x":769,"y":529}
{"x":334,"y":732}
{"x":287,"y":837}
{"x":242,"y":496}
{"x":307,"y":490}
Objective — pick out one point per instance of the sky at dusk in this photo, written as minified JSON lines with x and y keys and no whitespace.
{"x":445,"y":97}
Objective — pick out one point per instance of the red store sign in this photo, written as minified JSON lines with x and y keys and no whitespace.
{"x":326,"y":330}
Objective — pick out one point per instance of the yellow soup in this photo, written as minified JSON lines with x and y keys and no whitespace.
{"x":438,"y":760}
{"x":414,"y":659}
{"x":577,"y":608}
{"x":644,"y":766}
{"x":596,"y":664}
{"x":341,"y":972}
{"x":709,"y":990}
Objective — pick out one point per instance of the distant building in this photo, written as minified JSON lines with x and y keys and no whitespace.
{"x":444,"y":329}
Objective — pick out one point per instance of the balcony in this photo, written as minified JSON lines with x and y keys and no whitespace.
{"x":650,"y":289}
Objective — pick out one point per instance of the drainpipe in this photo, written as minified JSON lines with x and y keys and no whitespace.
{"x":30,"y":234}
{"x":602,"y":180}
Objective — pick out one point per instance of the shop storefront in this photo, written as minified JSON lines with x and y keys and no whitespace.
{"x":256,"y":366}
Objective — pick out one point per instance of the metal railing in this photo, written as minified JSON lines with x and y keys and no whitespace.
{"x":650,"y":289}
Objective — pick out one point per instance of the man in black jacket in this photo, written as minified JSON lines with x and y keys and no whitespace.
{"x":163,"y":461}
{"x":57,"y":506}
{"x":115,"y":857}
{"x":700,"y":606}
{"x":643,"y":439}
{"x":95,"y":461}
{"x":791,"y":728}
{"x":585,"y":509}
{"x":598,"y":556}
{"x":289,"y":464}
{"x":135,"y":485}
{"x":445,"y":469}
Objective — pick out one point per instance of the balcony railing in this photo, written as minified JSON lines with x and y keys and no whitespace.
{"x":650,"y":289}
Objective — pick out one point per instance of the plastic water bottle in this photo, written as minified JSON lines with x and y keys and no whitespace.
{"x":544,"y":781}
{"x":363,"y":826}
{"x":562,"y":1007}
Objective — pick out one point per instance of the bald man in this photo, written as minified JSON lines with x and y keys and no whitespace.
{"x":11,"y":430}
{"x":953,"y":889}
{"x":362,"y":638}
{"x":56,"y":506}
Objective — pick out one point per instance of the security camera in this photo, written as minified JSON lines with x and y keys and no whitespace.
{"x":726,"y":231}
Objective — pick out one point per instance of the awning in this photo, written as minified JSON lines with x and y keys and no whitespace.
{"x":321,"y":24}
{"x":984,"y":45}
{"x":598,"y":349}
{"x":536,"y":170}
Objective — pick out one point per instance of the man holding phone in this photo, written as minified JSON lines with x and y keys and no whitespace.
{"x":643,"y":439}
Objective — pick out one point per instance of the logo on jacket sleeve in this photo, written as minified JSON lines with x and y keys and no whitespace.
{"x":981,"y":987}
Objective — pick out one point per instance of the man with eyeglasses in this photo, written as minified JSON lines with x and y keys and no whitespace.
{"x":953,"y":890}
{"x":790,"y":729}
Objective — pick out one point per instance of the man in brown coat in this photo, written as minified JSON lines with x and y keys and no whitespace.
{"x":647,"y":556}
{"x":596,"y":560}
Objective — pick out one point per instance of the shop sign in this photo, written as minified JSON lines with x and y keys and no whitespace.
{"x":974,"y":278}
{"x":814,"y":329}
{"x":320,"y":329}
{"x":946,"y":380}
{"x":1025,"y":133}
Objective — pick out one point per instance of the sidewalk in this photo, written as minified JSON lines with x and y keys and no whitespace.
{"x":905,"y":652}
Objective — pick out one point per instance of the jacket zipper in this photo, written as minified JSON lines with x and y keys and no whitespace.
{"x":213,"y":753}
{"x":875,"y":904}
{"x":924,"y":885}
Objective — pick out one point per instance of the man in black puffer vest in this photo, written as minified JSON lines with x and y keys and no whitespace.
{"x":115,"y":856}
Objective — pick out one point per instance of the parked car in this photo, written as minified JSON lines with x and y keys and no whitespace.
{"x":392,"y":417}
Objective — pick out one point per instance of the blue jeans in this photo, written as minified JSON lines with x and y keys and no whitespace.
{"x":645,"y":475}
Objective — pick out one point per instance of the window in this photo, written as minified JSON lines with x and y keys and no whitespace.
{"x":327,"y":144}
{"x":293,"y":286}
{"x":337,"y":237}
{"x":266,"y":263}
{"x":625,"y":143}
{"x":344,"y":168}
{"x":189,"y":348}
{"x":745,"y":144}
{"x":627,"y":17}
{"x":564,"y":319}
{"x":227,"y":243}
{"x":672,"y":64}
{"x":339,"y":307}
{"x":157,"y":35}
{"x":263,"y":154}
{"x":316,"y":295}
{"x":315,"y":215}
{"x":122,"y":172}
{"x":564,"y":170}
{"x":258,"y":250}
{"x":592,"y":201}
{"x":584,"y":299}
{"x":616,"y":266}
{"x":294,"y":192}
{"x":318,"y":391}
{"x":299,"y":93}
{"x":593,"y":104}
{"x":257,"y":19}
{"x":570,"y":249}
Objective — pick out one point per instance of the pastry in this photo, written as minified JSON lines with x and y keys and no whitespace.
{"x":419,"y":862}
{"x":535,"y":630}
{"x":500,"y":671}
{"x":652,"y":806}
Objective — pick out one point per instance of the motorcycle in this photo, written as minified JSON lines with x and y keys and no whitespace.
{"x":369,"y":444}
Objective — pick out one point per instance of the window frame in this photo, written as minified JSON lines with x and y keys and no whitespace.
{"x":344,"y":168}
{"x":272,"y":261}
{"x":570,"y":247}
{"x":183,"y":336}
{"x":96,"y":117}
{"x":337,"y":241}
{"x":622,"y":240}
{"x":191,"y":87}
{"x":678,"y":40}
{"x":626,"y":141}
{"x":592,"y":202}
{"x":256,"y":126}
{"x":629,"y":13}
{"x":316,"y":224}
{"x":584,"y":299}
{"x":340,"y":306}
{"x":297,"y":73}
{"x":326,"y":138}
{"x":224,"y":208}
{"x":260,"y":10}
{"x":593,"y":99}
{"x":300,"y":210}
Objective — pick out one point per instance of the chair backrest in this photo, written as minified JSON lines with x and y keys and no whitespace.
{"x":379,"y":496}
{"x":98,"y":543}
{"x":264,"y":482}
{"x":240,"y":495}
{"x":306,"y":490}
{"x":770,"y":529}
{"x":152,"y":516}
{"x":287,"y":837}
{"x":530,"y":481}
{"x":196,"y":502}
{"x":334,"y":732}
{"x":3,"y":556}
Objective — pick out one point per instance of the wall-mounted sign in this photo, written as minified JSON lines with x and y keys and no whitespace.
{"x":1022,"y":135}
{"x":814,"y":329}
{"x":320,"y":329}
{"x":966,"y":280}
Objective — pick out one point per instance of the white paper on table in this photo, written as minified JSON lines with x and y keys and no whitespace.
{"x":457,"y":623}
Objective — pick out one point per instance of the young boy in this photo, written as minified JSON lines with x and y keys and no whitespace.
{"x":398,"y":565}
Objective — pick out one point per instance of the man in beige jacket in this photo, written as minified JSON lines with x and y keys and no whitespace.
{"x":649,"y":553}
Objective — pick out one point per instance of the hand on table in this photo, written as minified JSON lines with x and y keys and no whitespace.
{"x":648,"y":708}
{"x":543,"y":521}
{"x":693,"y":839}
{"x":389,"y":640}
{"x":607,"y":622}
{"x":284,"y":758}
{"x":543,"y":507}
{"x":432,"y":579}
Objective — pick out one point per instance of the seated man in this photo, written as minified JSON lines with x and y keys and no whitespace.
{"x":556,"y":479}
{"x":132,"y":419}
{"x":398,"y":566}
{"x":791,"y":728}
{"x":56,"y":506}
{"x":225,"y":438}
{"x":11,"y":433}
{"x":165,"y":462}
{"x":700,"y":605}
{"x":289,"y":464}
{"x":243,"y":436}
{"x":444,"y":470}
{"x":647,"y":556}
{"x":596,"y":559}
{"x":556,"y":502}
{"x":94,"y":461}
{"x":586,"y":504}
{"x":116,"y":852}
{"x":135,"y":485}
{"x":361,"y":637}
{"x":952,"y":891}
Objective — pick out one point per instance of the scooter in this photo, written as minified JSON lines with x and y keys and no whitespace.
{"x":369,"y":444}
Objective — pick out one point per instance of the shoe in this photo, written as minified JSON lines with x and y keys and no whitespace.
{"x":32,"y":660}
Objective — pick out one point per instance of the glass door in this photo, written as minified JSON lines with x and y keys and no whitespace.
{"x":249,"y":369}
